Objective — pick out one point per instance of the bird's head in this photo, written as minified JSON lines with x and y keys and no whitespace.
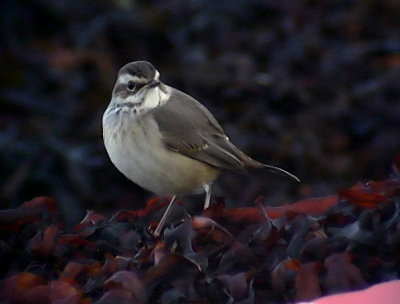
{"x":138,"y":85}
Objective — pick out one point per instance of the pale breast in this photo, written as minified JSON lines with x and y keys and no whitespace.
{"x":134,"y":146}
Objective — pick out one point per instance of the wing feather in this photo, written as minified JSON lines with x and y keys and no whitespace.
{"x":187,"y":127}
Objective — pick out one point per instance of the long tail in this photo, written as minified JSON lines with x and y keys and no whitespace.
{"x":252,"y":166}
{"x":246,"y":163}
{"x":281,"y":172}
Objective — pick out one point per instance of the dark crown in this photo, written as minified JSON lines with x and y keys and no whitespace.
{"x":140,"y":69}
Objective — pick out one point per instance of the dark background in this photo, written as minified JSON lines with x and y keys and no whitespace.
{"x":310,"y":86}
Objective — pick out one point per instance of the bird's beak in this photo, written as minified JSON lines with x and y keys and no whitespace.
{"x":154,"y":83}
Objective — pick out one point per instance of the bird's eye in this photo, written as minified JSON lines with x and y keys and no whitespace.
{"x":131,"y":86}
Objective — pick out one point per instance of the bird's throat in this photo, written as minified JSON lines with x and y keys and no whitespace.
{"x":139,"y":104}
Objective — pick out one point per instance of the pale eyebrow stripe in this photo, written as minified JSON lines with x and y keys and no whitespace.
{"x":124,"y":78}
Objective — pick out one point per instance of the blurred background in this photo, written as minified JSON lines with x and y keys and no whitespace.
{"x":310,"y":86}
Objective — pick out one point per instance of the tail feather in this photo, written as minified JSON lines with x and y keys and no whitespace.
{"x":251,"y":165}
{"x":282,"y":172}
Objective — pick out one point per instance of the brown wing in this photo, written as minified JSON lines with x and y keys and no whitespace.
{"x":189,"y":128}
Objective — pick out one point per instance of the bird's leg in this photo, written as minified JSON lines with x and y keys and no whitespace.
{"x":207,"y":189}
{"x":165,"y":216}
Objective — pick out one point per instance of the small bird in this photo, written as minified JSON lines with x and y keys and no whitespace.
{"x":166,"y":141}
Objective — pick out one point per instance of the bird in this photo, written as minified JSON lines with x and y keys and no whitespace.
{"x":166,"y":141}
